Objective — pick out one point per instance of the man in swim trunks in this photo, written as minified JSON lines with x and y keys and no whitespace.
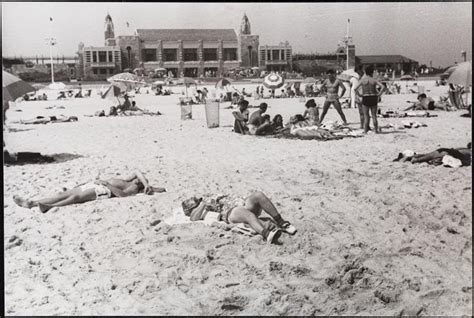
{"x":235,"y":209}
{"x":427,"y":103}
{"x":257,"y":124}
{"x":95,"y":190}
{"x":332,"y":84}
{"x":370,"y":97}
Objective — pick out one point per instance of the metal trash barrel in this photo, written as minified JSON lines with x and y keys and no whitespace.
{"x":212,"y":114}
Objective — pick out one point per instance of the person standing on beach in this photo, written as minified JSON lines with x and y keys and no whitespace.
{"x":355,"y":99}
{"x":370,"y":97}
{"x":332,"y":85}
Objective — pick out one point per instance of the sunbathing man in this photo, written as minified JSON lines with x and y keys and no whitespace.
{"x":427,"y":103}
{"x":332,"y":85}
{"x":234,"y":209}
{"x":95,"y":190}
{"x":126,"y":104}
{"x":49,"y":119}
{"x":463,"y":154}
{"x":257,"y":124}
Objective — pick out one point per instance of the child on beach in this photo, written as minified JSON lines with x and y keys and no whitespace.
{"x":94,"y":190}
{"x":311,"y":114}
{"x":233,"y":209}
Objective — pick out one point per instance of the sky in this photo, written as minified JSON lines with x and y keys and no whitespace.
{"x":425,"y":32}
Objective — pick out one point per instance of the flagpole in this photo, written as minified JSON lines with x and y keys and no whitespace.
{"x":51,"y":44}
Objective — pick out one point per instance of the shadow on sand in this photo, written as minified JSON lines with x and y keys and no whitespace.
{"x":24,"y":158}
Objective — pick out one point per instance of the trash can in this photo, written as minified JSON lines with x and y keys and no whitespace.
{"x":212,"y":114}
{"x":186,"y":112}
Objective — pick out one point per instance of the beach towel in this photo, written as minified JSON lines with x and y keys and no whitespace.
{"x":452,"y":162}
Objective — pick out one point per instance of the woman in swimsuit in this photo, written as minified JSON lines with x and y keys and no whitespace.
{"x":234,"y":209}
{"x":95,"y":190}
{"x":370,"y":97}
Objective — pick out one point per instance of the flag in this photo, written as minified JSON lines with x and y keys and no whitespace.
{"x":50,"y":19}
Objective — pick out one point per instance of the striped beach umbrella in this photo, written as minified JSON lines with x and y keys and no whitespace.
{"x":273,"y":81}
{"x":14,"y":87}
{"x":223,"y":82}
{"x":461,"y":74}
{"x":347,"y":75}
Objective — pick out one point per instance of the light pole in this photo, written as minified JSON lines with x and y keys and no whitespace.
{"x":51,"y":42}
{"x":347,"y":41}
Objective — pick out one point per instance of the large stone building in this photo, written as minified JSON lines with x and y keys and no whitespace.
{"x":382,"y":63}
{"x":188,"y":52}
{"x":275,"y":57}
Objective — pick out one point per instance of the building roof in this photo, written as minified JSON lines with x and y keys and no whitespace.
{"x":187,"y":34}
{"x":382,"y":59}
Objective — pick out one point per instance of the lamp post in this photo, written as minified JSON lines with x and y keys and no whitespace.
{"x":51,"y":42}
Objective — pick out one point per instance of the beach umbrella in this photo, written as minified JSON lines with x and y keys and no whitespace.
{"x":114,"y":90}
{"x":255,"y":68}
{"x":223,"y":82}
{"x":348,"y":74}
{"x":160,"y":69}
{"x":14,"y":87}
{"x":407,"y":78}
{"x":273,"y":81}
{"x":57,"y":86}
{"x":124,"y":77}
{"x":309,"y":80}
{"x":461,"y":74}
{"x":159,"y":82}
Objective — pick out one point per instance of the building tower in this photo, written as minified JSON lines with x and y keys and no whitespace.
{"x":109,"y":31}
{"x":248,"y":44}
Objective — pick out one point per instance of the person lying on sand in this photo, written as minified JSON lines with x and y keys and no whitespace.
{"x":49,"y":119}
{"x":427,"y":103}
{"x":94,"y":190}
{"x":258,"y":125}
{"x":233,"y":209}
{"x":436,"y":157}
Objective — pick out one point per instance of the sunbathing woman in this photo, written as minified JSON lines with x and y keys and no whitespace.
{"x":234,"y":209}
{"x":95,"y":190}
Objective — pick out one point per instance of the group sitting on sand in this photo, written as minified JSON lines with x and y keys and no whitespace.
{"x":48,"y":120}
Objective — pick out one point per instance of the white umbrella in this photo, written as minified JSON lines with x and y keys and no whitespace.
{"x":57,"y":86}
{"x":273,"y":81}
{"x":461,"y":74}
{"x":348,"y":74}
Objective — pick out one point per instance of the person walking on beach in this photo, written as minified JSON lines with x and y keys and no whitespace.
{"x":370,"y":97}
{"x":332,"y":85}
{"x":95,"y":190}
{"x":234,"y":209}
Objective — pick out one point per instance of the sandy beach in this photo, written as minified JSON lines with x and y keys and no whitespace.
{"x":375,"y":237}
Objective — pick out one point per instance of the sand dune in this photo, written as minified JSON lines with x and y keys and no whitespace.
{"x":375,"y":237}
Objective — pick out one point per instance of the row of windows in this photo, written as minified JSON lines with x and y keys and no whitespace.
{"x":271,"y":55}
{"x":101,"y":56}
{"x":228,"y":54}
